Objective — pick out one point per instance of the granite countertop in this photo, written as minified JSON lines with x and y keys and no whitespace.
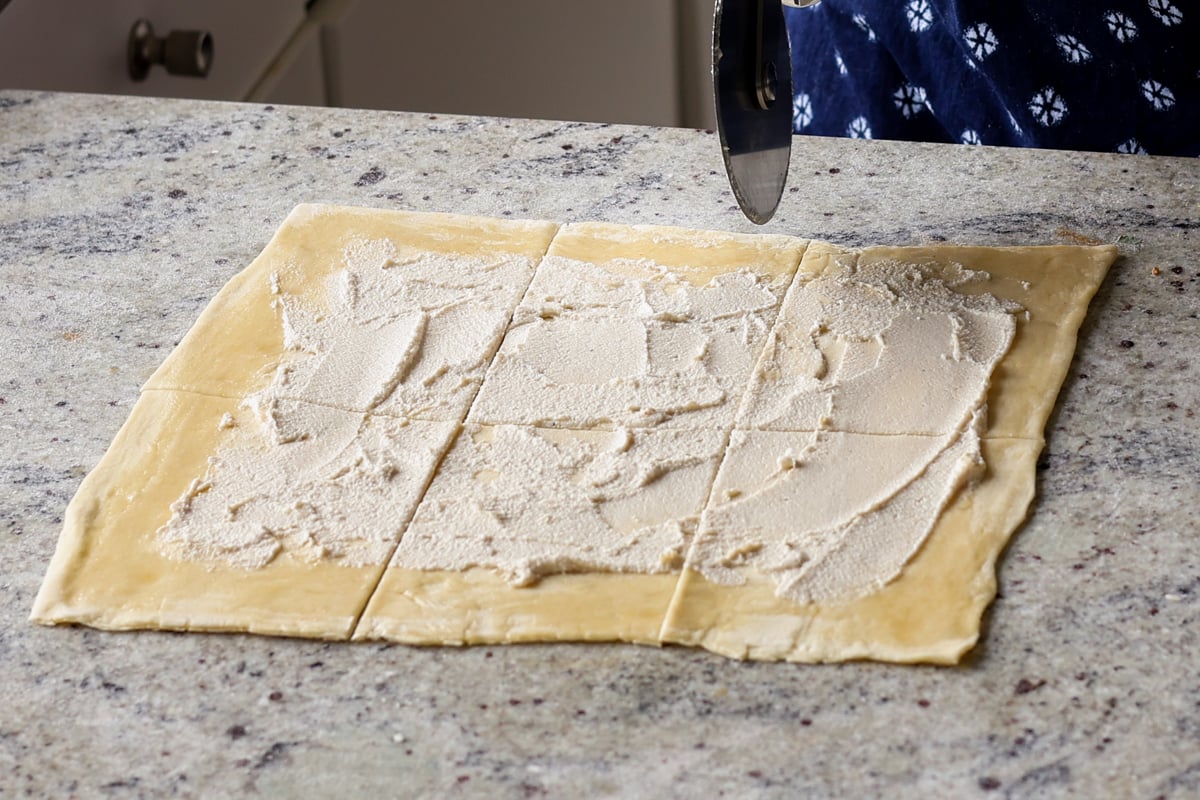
{"x":119,"y":220}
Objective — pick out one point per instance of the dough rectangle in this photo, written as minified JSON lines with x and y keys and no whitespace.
{"x":666,"y":447}
{"x":329,"y":256}
{"x":108,"y":570}
{"x":930,"y":613}
{"x":530,"y":533}
{"x":1053,"y":285}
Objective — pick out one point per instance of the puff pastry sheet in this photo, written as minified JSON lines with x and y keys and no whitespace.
{"x":109,"y":570}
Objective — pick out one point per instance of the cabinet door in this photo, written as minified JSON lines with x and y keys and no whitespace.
{"x":72,"y":45}
{"x":614,"y":61}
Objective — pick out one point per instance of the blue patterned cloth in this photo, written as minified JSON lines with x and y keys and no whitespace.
{"x":1110,"y":75}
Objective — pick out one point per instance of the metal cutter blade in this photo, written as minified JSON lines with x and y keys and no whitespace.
{"x":752,"y":81}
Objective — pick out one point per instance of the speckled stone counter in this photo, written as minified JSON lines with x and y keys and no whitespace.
{"x":120,"y":218}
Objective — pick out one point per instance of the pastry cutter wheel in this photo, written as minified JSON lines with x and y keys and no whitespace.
{"x":752,"y":83}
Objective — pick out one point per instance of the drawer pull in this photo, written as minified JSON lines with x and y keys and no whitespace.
{"x":181,"y":52}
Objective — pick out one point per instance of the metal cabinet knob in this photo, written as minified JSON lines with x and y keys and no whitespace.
{"x":181,"y":52}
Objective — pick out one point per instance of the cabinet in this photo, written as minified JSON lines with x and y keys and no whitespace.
{"x":80,"y":45}
{"x":639,"y":61}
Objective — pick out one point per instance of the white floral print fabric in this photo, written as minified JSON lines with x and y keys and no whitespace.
{"x":1117,"y":75}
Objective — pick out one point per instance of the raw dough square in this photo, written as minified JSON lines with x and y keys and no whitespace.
{"x":562,"y":508}
{"x":780,"y":506}
{"x":638,"y":327}
{"x":1053,"y":285}
{"x":931,"y":613}
{"x":838,"y":346}
{"x":311,"y":481}
{"x":426,"y":364}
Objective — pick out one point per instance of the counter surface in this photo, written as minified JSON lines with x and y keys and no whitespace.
{"x":119,"y":220}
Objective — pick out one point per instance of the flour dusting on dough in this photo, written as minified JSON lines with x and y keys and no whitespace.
{"x":629,"y":343}
{"x":328,"y":461}
{"x":596,"y":437}
{"x":531,"y":502}
{"x":398,"y":331}
{"x":879,"y":374}
{"x":312,"y":481}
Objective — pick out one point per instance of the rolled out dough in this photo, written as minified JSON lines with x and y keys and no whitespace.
{"x":546,"y":285}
